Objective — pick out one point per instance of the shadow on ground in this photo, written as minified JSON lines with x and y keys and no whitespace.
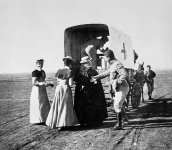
{"x":154,"y":114}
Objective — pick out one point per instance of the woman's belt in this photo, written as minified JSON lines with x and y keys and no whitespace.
{"x":62,"y":81}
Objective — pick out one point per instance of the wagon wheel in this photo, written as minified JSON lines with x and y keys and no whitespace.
{"x":136,"y":95}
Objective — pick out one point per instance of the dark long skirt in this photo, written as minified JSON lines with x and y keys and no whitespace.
{"x":89,"y":101}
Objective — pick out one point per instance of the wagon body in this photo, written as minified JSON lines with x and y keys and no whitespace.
{"x":76,"y":37}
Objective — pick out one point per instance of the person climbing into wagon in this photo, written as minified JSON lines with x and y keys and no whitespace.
{"x":90,"y":49}
{"x":118,"y":79}
{"x":149,"y":79}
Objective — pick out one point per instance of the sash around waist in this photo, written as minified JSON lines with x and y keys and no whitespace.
{"x":63,"y":81}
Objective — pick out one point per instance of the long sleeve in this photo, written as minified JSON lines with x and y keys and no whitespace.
{"x":103,"y":75}
{"x":117,"y":71}
{"x":153,"y":74}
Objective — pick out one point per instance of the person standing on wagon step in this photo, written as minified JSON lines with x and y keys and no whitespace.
{"x":39,"y":103}
{"x":118,"y":80}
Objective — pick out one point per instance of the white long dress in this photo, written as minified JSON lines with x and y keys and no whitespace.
{"x":62,"y":113}
{"x":39,"y":103}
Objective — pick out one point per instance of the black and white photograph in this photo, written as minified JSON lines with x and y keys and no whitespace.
{"x":85,"y":75}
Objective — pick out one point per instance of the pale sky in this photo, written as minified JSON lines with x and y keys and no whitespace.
{"x":32,"y":29}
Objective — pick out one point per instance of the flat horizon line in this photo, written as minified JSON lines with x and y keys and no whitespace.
{"x":55,"y":71}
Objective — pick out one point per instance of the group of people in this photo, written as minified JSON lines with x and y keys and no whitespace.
{"x":88,"y":105}
{"x":145,"y":77}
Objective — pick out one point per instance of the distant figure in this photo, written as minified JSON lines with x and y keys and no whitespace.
{"x":142,"y":66}
{"x":90,"y":48}
{"x":118,"y":80}
{"x":139,"y":77}
{"x":149,"y":79}
{"x":62,"y":112}
{"x":39,"y":103}
{"x":89,"y":102}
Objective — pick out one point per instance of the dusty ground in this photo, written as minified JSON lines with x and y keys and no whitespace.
{"x":150,"y":126}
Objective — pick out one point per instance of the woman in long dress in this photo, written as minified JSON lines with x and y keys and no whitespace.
{"x":62,"y":113}
{"x":89,"y":102}
{"x":39,"y":103}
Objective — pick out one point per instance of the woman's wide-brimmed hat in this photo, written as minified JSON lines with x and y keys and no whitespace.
{"x":68,"y":57}
{"x":85,"y":59}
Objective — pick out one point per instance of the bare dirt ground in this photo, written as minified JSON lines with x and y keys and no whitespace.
{"x":149,"y":128}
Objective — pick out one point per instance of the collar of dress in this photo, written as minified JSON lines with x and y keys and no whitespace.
{"x":66,"y":67}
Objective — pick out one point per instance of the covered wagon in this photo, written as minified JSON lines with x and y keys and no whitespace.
{"x":76,"y":37}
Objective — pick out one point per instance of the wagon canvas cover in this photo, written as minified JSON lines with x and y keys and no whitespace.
{"x":121,"y":45}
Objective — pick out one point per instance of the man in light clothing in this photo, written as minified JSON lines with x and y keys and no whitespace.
{"x":118,"y":80}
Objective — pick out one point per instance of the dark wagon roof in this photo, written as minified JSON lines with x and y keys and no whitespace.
{"x":94,"y":28}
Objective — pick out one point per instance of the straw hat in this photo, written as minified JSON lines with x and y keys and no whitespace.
{"x":85,"y":59}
